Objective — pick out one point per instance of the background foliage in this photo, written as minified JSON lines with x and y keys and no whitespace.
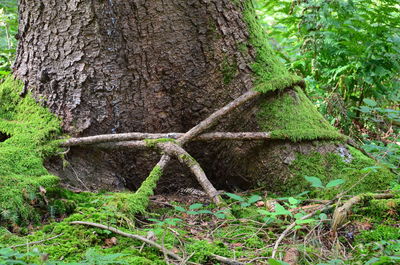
{"x":8,"y":30}
{"x":348,"y":51}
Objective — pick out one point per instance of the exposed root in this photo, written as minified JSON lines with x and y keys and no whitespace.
{"x":194,"y":166}
{"x":341,"y":213}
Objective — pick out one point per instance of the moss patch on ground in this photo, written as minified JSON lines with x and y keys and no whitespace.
{"x":30,"y":129}
{"x":362,"y":174}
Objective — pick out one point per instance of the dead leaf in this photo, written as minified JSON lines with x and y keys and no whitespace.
{"x":260,"y":204}
{"x":109,"y":242}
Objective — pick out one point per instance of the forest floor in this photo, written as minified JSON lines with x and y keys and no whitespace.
{"x":245,"y":231}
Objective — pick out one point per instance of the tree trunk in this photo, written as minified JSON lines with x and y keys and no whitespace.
{"x":161,"y":66}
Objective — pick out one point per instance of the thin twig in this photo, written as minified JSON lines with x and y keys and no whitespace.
{"x":36,"y":242}
{"x":137,"y":237}
{"x":290,"y":227}
{"x":226,"y":260}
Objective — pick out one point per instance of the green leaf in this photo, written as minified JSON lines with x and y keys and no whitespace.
{"x":365,"y":109}
{"x":298,"y":215}
{"x":264,"y":212}
{"x":192,"y":212}
{"x":195,"y":206}
{"x":293,"y":201}
{"x":235,"y":197}
{"x":323,"y":216}
{"x":280,"y":210}
{"x":305,"y":221}
{"x":269,"y":220}
{"x":277,"y":262}
{"x":370,"y":102}
{"x":253,"y":199}
{"x":220,"y":215}
{"x":244,"y":204}
{"x":172,"y":221}
{"x":204,"y":212}
{"x":180,"y":209}
{"x":315,"y":182}
{"x":335,"y":183}
{"x":370,"y":169}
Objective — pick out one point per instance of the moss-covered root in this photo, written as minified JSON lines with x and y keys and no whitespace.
{"x":291,"y":115}
{"x":341,"y":213}
{"x":134,"y":203}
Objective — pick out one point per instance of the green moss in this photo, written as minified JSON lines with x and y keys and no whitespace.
{"x":270,"y":73}
{"x":133,"y":203}
{"x":31,"y":128}
{"x":229,"y":69}
{"x":382,"y":210}
{"x":381,"y":232}
{"x":332,"y":166}
{"x":188,"y":159}
{"x":202,"y":250}
{"x":287,"y":116}
{"x":293,"y":116}
{"x":153,"y":142}
{"x":242,"y":47}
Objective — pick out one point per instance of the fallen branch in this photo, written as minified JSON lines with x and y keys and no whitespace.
{"x":152,"y":243}
{"x":341,"y":213}
{"x":36,"y":242}
{"x":213,"y":119}
{"x":172,"y":149}
{"x":216,"y":116}
{"x":137,"y":237}
{"x":184,"y":157}
{"x":214,"y":136}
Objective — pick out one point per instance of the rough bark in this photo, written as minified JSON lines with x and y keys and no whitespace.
{"x":160,"y":66}
{"x":122,"y":66}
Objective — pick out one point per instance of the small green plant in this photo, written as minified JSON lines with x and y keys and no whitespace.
{"x":195,"y":209}
{"x":272,"y":216}
{"x":166,"y":222}
{"x":93,"y":257}
{"x":277,"y":262}
{"x":9,"y":256}
{"x":244,"y":202}
{"x":317,"y":183}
